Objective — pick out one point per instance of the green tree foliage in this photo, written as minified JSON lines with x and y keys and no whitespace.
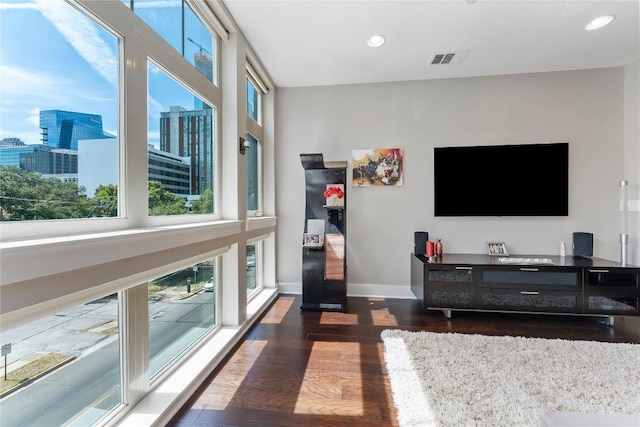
{"x":163,"y":202}
{"x":26,"y":195}
{"x":204,"y":204}
{"x":105,"y":200}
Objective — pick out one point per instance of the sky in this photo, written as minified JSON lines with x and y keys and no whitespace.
{"x":71,"y":63}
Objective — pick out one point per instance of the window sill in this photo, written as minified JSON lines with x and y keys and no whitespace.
{"x":61,"y":254}
{"x":257,"y":223}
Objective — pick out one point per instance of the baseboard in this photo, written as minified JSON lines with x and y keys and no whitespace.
{"x":357,"y":290}
{"x":290,"y":288}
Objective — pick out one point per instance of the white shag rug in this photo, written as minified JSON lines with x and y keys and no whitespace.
{"x":451,"y":379}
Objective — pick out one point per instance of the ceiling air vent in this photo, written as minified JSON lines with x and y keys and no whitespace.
{"x":442,"y":58}
{"x":449,"y":58}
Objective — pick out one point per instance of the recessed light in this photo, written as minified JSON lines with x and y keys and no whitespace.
{"x":376,"y":40}
{"x":600,"y":22}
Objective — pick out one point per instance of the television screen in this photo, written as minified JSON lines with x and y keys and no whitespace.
{"x":502,"y":180}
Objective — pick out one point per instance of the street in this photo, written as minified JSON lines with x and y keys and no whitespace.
{"x":92,"y":381}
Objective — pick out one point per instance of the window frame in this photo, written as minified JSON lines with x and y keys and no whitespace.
{"x":79,"y":260}
{"x":136,"y":44}
{"x":256,"y":130}
{"x":159,"y":376}
{"x":258,"y":243}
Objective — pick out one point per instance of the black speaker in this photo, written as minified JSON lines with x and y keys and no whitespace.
{"x":582,"y":244}
{"x":420,"y":242}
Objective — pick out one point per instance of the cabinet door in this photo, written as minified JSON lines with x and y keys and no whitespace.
{"x":449,"y":287}
{"x":612,"y":291}
{"x":528,"y":300}
{"x":531,"y":278}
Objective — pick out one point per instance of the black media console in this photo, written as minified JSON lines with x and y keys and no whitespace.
{"x":560,"y":285}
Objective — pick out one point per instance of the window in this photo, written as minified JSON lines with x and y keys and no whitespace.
{"x":97,"y":104}
{"x":165,"y":17}
{"x":75,"y":354}
{"x":253,"y":101}
{"x":59,"y":147}
{"x":199,"y":45}
{"x":181,"y":151}
{"x":254,"y":136}
{"x":254,"y":268}
{"x":182,"y":308}
{"x":254,"y":155}
{"x":177,"y":23}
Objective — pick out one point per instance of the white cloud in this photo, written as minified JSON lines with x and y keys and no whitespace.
{"x":34,"y":117}
{"x":38,"y":87}
{"x":8,"y":5}
{"x":155,"y":108}
{"x":84,"y":36}
{"x":26,"y":83}
{"x":31,"y":137}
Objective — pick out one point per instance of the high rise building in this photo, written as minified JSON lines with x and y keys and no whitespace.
{"x":63,"y":129}
{"x":204,"y":63}
{"x":190,"y":134}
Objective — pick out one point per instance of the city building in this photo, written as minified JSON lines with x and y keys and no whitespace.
{"x":187,"y":133}
{"x":63,"y":129}
{"x":50,"y":161}
{"x":98,"y":165}
{"x":11,"y":142}
{"x":10,"y":155}
{"x":204,"y":63}
{"x":43,"y":159}
{"x":172,"y":171}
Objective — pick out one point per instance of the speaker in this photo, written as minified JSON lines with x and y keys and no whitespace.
{"x":420,"y":239}
{"x":582,"y":244}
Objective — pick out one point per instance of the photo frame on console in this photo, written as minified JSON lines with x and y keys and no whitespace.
{"x":497,"y":249}
{"x":312,"y":239}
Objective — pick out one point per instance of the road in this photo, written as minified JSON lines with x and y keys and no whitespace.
{"x":66,"y":393}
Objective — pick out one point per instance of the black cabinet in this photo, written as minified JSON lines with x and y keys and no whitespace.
{"x":450,"y":286}
{"x":567,"y":286}
{"x":612,"y":290}
{"x":324,"y":261}
{"x":557,"y":289}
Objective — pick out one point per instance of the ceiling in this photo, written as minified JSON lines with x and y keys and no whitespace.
{"x":314,"y":43}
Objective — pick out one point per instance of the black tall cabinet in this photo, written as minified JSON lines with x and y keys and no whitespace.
{"x":324,"y":261}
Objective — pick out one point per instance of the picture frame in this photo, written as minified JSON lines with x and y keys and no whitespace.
{"x":497,"y":249}
{"x":312,"y":239}
{"x":377,"y":167}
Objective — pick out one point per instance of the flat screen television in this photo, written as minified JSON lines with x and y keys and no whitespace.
{"x":502,"y":180}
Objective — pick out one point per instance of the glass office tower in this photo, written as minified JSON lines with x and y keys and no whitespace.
{"x":63,"y":129}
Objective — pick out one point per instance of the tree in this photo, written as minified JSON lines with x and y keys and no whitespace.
{"x":105,"y":200}
{"x":26,"y":195}
{"x":204,"y":204}
{"x":163,"y":202}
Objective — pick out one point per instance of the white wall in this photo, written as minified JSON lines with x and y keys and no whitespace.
{"x":97,"y":163}
{"x":632,"y":153}
{"x":585,"y":108}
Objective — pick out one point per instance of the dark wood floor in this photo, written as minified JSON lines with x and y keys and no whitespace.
{"x":305,"y":368}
